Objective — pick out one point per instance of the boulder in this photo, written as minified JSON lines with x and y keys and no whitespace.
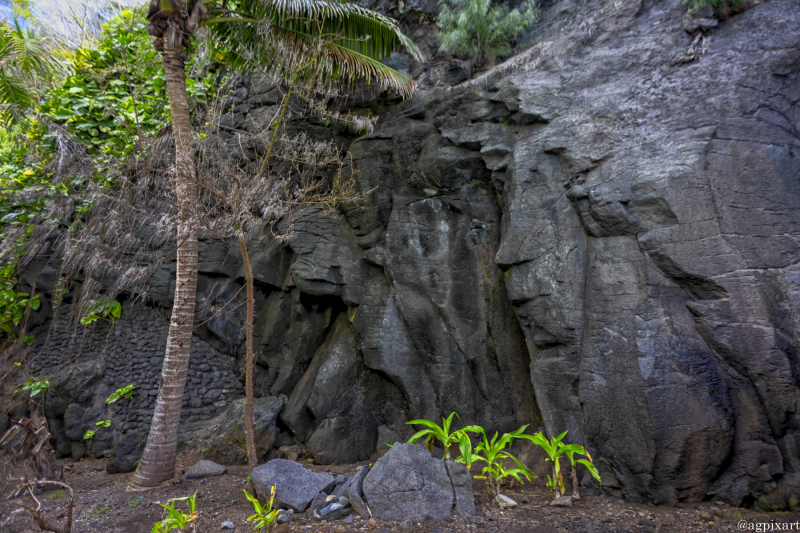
{"x":295,"y":485}
{"x":409,"y":484}
{"x":126,"y":452}
{"x":228,"y":444}
{"x":204,"y":468}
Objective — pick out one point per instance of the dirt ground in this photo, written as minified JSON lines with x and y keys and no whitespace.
{"x":103,"y":506}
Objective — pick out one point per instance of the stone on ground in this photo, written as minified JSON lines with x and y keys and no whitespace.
{"x":204,"y":468}
{"x":227,"y":525}
{"x":284,"y":516}
{"x":409,"y":484}
{"x":563,"y":501}
{"x":355,"y":492}
{"x":505,"y":502}
{"x":295,"y":485}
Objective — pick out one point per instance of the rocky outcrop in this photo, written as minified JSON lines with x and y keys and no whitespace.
{"x":600,"y":236}
{"x":408,"y":484}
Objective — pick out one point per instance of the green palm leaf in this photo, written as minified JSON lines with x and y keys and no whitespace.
{"x":321,"y":42}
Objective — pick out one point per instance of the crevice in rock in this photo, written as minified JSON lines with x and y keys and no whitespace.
{"x":699,"y":287}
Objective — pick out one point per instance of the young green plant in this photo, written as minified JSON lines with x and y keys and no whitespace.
{"x":492,"y":452}
{"x":264,"y":516}
{"x":176,"y":519}
{"x":441,"y":433}
{"x":571,"y":450}
{"x":553,"y":449}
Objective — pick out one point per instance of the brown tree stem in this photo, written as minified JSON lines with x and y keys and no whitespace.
{"x":252,"y":458}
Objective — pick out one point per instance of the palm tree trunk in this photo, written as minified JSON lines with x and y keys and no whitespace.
{"x":252,"y":458}
{"x":158,"y":461}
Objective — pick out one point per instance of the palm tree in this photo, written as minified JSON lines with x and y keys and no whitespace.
{"x":315,"y":42}
{"x":25,"y":61}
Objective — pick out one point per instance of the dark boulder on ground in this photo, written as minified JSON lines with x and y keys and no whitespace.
{"x":295,"y":484}
{"x":409,"y":484}
{"x":228,"y":444}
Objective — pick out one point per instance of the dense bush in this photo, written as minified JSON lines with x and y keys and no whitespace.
{"x":113,"y":97}
{"x":479,"y":31}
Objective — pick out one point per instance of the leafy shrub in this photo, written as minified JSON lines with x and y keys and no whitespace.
{"x":475,"y":29}
{"x":13,"y":304}
{"x":118,"y":90}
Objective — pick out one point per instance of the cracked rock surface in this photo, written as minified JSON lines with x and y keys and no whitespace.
{"x":409,"y":484}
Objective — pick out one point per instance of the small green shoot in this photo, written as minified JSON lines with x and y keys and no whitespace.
{"x":88,"y":435}
{"x":99,"y":512}
{"x":264,"y":516}
{"x":103,"y":423}
{"x":440,"y":433}
{"x":57,"y":495}
{"x":176,"y":519}
{"x":136,"y":501}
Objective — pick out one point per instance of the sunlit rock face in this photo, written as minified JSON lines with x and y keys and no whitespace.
{"x":603,"y":238}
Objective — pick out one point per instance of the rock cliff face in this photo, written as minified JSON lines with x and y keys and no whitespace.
{"x":603,"y":237}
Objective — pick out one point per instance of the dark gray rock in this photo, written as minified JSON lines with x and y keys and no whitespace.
{"x":319,"y":501}
{"x":355,"y":492}
{"x":408,"y":484}
{"x":126,"y":452}
{"x":228,"y":444}
{"x":295,"y":485}
{"x":331,"y":511}
{"x":204,"y":468}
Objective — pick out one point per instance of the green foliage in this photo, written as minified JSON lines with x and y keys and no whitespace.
{"x":441,"y":433}
{"x":135,"y":502}
{"x":25,"y":62}
{"x":696,"y":5}
{"x":88,"y":435}
{"x":176,"y":519}
{"x":100,"y":511}
{"x":124,"y":392}
{"x":13,"y":304}
{"x":555,"y":450}
{"x":103,"y":423}
{"x":320,"y":44}
{"x":101,"y":308}
{"x":57,"y":495}
{"x":36,"y":385}
{"x":480,"y":31}
{"x":118,"y":91}
{"x":492,"y":453}
{"x":264,"y":516}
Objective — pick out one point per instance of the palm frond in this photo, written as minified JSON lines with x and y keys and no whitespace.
{"x":321,"y":42}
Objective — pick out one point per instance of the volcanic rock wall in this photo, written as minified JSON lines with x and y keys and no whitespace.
{"x":600,"y":237}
